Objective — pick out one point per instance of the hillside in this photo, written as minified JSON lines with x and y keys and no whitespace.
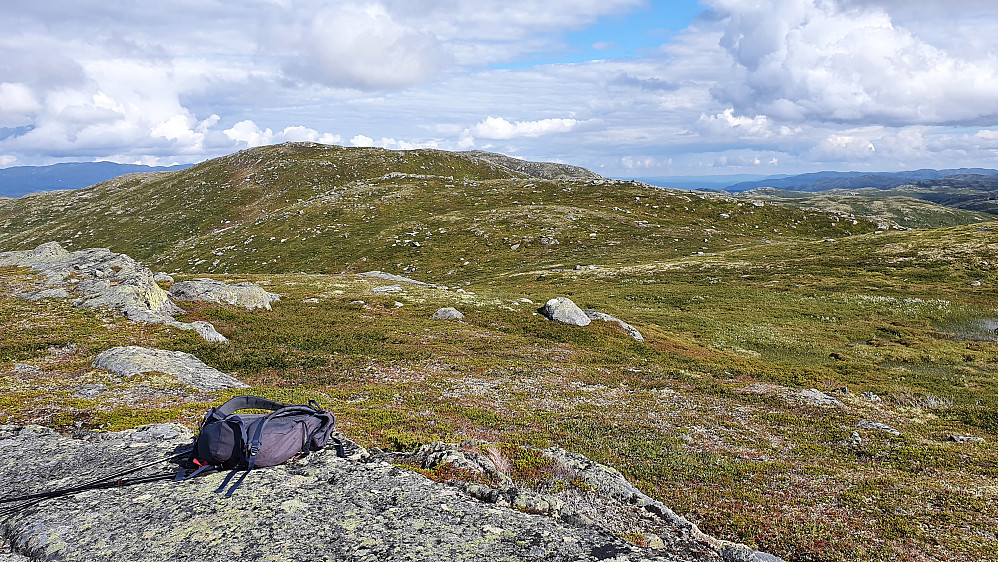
{"x":319,"y":209}
{"x":810,"y":384}
{"x":904,"y":207}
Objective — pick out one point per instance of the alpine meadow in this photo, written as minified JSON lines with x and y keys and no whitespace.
{"x":812,"y":375}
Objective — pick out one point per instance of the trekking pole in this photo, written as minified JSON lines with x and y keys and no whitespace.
{"x":103,"y":482}
{"x":38,"y":498}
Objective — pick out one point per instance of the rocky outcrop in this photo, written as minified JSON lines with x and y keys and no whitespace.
{"x":96,"y":278}
{"x":545,"y":170}
{"x":131,"y":360}
{"x":321,"y":507}
{"x":580,"y":492}
{"x":100,"y":278}
{"x":597,"y":315}
{"x":564,"y":311}
{"x":245,"y":294}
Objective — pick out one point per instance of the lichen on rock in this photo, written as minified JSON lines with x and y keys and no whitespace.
{"x":100,"y":278}
{"x":131,"y":360}
{"x":320,"y":507}
{"x":247,"y":295}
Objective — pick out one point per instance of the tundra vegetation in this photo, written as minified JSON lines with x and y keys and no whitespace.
{"x":743,"y":305}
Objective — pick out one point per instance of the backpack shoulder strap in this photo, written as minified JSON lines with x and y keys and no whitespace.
{"x":247,"y":402}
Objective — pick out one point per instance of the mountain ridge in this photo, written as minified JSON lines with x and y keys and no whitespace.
{"x":22,"y":180}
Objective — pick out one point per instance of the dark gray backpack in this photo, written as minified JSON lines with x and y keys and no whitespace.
{"x":227,"y":440}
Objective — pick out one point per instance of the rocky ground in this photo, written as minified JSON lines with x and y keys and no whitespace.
{"x":321,"y":507}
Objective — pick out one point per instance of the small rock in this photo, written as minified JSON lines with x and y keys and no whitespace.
{"x":872,"y":397}
{"x":818,"y":398}
{"x":89,"y":391}
{"x":864,"y":424}
{"x":564,"y":311}
{"x":975,"y":283}
{"x":387,"y":289}
{"x":311,"y":300}
{"x":163,"y":277}
{"x":965,"y":439}
{"x":205,"y":330}
{"x":448,"y":313}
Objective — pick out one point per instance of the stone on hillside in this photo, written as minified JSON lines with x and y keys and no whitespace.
{"x":448,"y":313}
{"x":162,"y":277}
{"x":390,"y":277}
{"x":387,"y":289}
{"x":564,"y":311}
{"x":247,"y":295}
{"x":397,"y":279}
{"x":131,"y":360}
{"x":865,"y":424}
{"x":965,"y":439}
{"x":818,"y":398}
{"x":205,"y":330}
{"x":631,"y":330}
{"x":872,"y":397}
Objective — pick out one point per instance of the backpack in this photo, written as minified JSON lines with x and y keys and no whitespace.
{"x":227,"y":440}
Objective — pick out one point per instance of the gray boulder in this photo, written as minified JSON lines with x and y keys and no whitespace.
{"x":100,"y":278}
{"x":564,"y":311}
{"x":818,"y":398}
{"x":131,"y":360}
{"x":631,"y":330}
{"x":448,"y":313}
{"x":245,"y":294}
{"x":387,"y":289}
{"x":866,"y":424}
{"x":392,"y":278}
{"x":205,"y":330}
{"x":320,"y":507}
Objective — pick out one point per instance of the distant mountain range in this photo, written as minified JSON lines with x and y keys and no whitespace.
{"x":21,"y":180}
{"x":824,"y":181}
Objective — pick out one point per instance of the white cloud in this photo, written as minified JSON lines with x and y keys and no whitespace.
{"x":362,"y":140}
{"x":814,"y":59}
{"x":17,"y":104}
{"x":728,"y":124}
{"x":499,"y":128}
{"x":250,"y":134}
{"x":364,"y":47}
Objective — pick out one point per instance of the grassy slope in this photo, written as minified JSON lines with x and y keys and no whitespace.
{"x":907,"y":206}
{"x":694,"y":416}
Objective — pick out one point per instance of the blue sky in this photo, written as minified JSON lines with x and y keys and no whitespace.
{"x":628,"y":88}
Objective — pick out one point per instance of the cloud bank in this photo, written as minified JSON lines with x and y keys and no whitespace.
{"x":782,"y":86}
